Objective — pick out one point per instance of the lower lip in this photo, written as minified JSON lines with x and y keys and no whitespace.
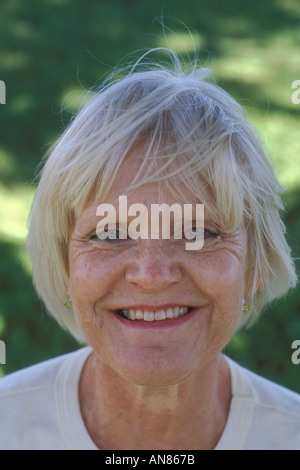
{"x":155,"y":324}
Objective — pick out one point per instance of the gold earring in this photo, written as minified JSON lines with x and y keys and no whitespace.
{"x":246,"y":307}
{"x":68,"y":303}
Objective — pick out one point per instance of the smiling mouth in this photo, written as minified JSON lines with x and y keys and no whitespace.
{"x":154,"y":315}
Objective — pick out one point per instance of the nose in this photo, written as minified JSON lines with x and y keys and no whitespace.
{"x":153,"y":269}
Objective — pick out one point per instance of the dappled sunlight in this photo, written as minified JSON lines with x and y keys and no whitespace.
{"x":21,"y":103}
{"x":14,"y":209}
{"x":7,"y":163}
{"x":266,"y":65}
{"x":281,"y":135}
{"x":13,"y":60}
{"x":24,"y":260}
{"x":57,"y":2}
{"x":182,"y":42}
{"x":2,"y":325}
{"x":73,"y":100}
{"x":289,"y":6}
{"x":23,"y":29}
{"x":246,"y":68}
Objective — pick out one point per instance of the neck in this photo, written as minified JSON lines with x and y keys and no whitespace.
{"x":122,"y":415}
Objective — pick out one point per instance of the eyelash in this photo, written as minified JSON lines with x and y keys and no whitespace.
{"x":94,"y":236}
{"x":211,"y":233}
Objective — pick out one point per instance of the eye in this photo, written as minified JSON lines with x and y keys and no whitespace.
{"x":207,"y":234}
{"x":108,"y":235}
{"x":211,"y":234}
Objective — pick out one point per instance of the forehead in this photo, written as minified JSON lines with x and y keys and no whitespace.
{"x":139,"y":190}
{"x":143,"y":178}
{"x":158,"y":178}
{"x":146,"y":195}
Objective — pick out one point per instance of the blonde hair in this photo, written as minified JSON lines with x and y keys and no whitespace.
{"x":188,"y":131}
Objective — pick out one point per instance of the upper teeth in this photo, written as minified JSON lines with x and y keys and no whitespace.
{"x":147,"y":315}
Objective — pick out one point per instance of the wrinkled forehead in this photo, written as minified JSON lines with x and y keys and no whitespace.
{"x":135,"y":183}
{"x":161,"y":176}
{"x":152,"y":175}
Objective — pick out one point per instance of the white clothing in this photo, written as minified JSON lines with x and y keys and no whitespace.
{"x":39,"y":410}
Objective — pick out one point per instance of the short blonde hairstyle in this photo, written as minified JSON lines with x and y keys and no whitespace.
{"x":192,"y":136}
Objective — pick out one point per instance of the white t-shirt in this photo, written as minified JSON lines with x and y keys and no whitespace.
{"x":39,"y":410}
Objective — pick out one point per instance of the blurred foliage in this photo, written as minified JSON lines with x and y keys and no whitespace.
{"x":51,"y":51}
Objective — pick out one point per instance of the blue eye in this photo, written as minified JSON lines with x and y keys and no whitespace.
{"x":206,"y":233}
{"x":109,"y":236}
{"x":210,"y":233}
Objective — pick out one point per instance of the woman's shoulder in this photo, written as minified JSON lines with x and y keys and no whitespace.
{"x":263,"y":415}
{"x":264,"y":392}
{"x":31,"y":401}
{"x":37,"y":376}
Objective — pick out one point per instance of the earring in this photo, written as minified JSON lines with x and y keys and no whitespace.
{"x":68,"y":303}
{"x":246,"y":307}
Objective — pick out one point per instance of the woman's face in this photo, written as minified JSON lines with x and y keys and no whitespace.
{"x":155,"y":275}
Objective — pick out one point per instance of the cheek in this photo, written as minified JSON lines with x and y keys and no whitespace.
{"x":222,"y":282}
{"x":221,"y":276}
{"x":95,"y":278}
{"x":90,"y":276}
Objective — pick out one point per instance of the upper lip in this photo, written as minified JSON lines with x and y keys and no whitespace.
{"x":151,"y":307}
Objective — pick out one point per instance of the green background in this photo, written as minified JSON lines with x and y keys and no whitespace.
{"x":51,"y":50}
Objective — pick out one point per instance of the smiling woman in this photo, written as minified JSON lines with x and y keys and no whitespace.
{"x":156,"y":316}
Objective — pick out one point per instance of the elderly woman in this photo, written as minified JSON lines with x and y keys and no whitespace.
{"x":155,"y":311}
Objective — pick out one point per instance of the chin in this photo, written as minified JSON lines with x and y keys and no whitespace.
{"x":154,"y":373}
